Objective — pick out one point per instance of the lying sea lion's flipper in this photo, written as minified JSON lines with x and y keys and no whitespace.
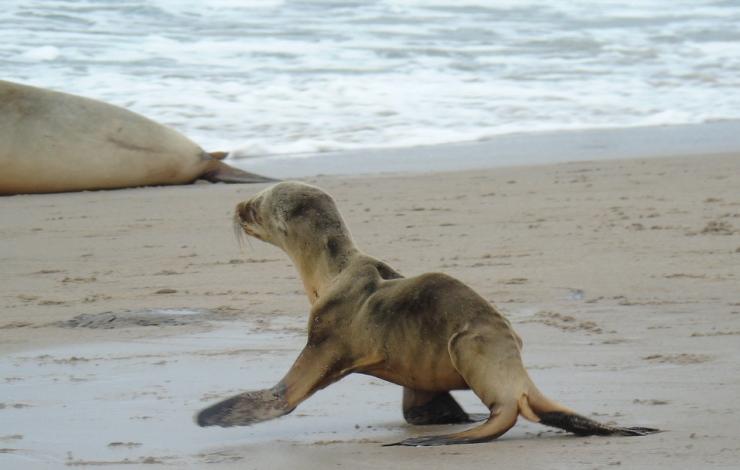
{"x":422,"y":408}
{"x":218,"y":155}
{"x":220,"y":172}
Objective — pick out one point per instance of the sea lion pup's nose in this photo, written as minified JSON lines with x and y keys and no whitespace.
{"x":247,"y":212}
{"x":242,"y":211}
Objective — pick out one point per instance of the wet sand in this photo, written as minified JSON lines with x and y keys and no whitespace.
{"x":124,"y":312}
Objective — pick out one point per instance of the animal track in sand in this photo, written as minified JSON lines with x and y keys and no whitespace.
{"x":128,"y":445}
{"x":653,"y":401}
{"x":98,"y":463}
{"x":166,"y":291}
{"x":17,"y":406}
{"x":129,"y":318}
{"x":685,"y":276}
{"x":564,"y":322}
{"x":67,"y":280}
{"x":50,"y":271}
{"x":679,"y":359}
{"x":715,"y":333}
{"x":167,"y":272}
{"x":15,"y":324}
{"x":714,"y":227}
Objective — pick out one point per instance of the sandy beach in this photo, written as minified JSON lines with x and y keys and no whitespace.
{"x":124,"y":312}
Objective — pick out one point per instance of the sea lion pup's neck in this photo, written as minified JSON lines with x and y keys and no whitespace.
{"x":303,"y":221}
{"x":321,"y":259}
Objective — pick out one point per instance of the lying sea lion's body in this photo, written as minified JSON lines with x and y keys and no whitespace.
{"x":56,"y":142}
{"x":429,"y":333}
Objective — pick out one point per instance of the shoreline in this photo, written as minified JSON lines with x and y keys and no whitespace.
{"x":519,"y":149}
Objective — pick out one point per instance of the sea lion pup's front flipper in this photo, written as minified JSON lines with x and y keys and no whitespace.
{"x":425,"y":408}
{"x":316,"y":367}
{"x":220,"y":172}
{"x":245,"y":409}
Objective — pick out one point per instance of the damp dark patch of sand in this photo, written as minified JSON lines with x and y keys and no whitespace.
{"x":99,"y":463}
{"x":716,"y":333}
{"x":16,"y":406}
{"x":15,"y":324}
{"x":139,"y":318}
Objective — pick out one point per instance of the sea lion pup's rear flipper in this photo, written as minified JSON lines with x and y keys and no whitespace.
{"x":220,"y":172}
{"x":545,"y":411}
{"x":316,"y":367}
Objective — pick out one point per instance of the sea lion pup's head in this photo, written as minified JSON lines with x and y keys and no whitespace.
{"x":301,"y":219}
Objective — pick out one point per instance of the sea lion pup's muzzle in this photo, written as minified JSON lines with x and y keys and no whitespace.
{"x":246,"y":212}
{"x":247,"y":218}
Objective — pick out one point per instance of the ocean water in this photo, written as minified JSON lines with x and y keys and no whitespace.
{"x":298,"y":77}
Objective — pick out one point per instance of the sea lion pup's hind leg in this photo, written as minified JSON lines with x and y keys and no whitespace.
{"x":488,"y":359}
{"x":492,"y":369}
{"x":424,"y":408}
{"x":316,"y":367}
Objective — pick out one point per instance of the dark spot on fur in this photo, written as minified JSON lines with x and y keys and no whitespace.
{"x":370,"y":287}
{"x":300,"y":209}
{"x":421,"y":299}
{"x":332,"y":244}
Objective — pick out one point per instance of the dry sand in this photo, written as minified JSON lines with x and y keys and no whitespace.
{"x":124,"y":312}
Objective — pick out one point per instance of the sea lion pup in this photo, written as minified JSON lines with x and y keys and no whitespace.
{"x":430,"y":333}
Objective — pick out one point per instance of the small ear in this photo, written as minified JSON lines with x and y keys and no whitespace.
{"x":282,"y":226}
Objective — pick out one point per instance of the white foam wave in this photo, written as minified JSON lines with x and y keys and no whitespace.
{"x":266,"y":77}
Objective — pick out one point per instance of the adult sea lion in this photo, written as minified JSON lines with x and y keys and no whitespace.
{"x":55,"y":142}
{"x":430,"y":333}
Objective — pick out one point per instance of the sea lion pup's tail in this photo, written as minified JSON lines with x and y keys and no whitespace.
{"x":536,"y":407}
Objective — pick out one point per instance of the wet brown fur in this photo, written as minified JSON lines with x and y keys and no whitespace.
{"x":429,"y":333}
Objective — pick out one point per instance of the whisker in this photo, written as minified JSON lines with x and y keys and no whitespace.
{"x":238,"y":232}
